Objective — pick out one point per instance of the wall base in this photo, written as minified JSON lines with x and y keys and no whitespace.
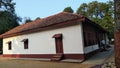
{"x":47,"y":56}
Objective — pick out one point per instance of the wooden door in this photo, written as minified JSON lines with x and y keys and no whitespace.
{"x":59,"y":45}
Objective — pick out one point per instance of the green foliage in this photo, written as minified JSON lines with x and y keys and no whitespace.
{"x":83,"y":9}
{"x":7,"y":5}
{"x":7,"y":21}
{"x":101,"y":13}
{"x":68,"y":9}
{"x":8,"y":18}
{"x":38,"y":18}
{"x":27,"y":20}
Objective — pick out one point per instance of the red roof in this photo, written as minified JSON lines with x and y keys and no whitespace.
{"x":60,"y":19}
{"x":42,"y":23}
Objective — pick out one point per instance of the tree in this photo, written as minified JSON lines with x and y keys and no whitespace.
{"x":7,"y":21}
{"x":99,"y":12}
{"x":38,"y":18}
{"x":27,"y":20}
{"x":117,"y":32}
{"x":83,"y":9}
{"x":8,"y":18}
{"x":7,"y":5}
{"x":68,"y":9}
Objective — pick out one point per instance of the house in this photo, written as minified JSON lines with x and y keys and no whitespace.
{"x":61,"y":36}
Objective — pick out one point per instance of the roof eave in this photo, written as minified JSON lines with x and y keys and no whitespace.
{"x":53,"y":26}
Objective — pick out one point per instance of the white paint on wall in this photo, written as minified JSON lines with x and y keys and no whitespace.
{"x":91,"y":48}
{"x":43,"y":43}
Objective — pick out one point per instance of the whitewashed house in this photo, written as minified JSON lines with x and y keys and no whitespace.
{"x":61,"y":36}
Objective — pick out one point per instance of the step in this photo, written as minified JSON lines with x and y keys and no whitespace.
{"x":57,"y":57}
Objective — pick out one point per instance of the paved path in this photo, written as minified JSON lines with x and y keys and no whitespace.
{"x":97,"y":59}
{"x":100,"y":57}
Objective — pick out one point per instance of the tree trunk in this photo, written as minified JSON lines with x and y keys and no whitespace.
{"x":117,"y":32}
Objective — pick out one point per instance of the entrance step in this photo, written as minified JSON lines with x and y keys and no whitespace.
{"x":57,"y":57}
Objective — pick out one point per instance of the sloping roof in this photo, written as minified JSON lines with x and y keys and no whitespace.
{"x":43,"y":23}
{"x":60,"y":19}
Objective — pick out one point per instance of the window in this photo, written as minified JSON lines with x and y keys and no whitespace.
{"x":25,"y":43}
{"x":9,"y":45}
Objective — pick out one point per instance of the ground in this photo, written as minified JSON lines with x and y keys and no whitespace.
{"x":101,"y":59}
{"x":10,"y":63}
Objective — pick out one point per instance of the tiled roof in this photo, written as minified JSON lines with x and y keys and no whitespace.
{"x":43,"y":23}
{"x":60,"y":19}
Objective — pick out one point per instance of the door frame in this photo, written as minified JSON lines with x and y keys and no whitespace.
{"x":58,"y":43}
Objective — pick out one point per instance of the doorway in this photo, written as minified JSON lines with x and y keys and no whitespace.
{"x":58,"y":43}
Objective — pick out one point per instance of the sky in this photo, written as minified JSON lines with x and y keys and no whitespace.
{"x":45,"y":8}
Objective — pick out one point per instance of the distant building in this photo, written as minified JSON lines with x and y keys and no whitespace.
{"x":61,"y":36}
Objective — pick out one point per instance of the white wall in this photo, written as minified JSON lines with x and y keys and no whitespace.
{"x":43,"y":43}
{"x":91,"y":48}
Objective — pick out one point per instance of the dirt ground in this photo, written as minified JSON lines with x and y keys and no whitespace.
{"x":14,"y":63}
{"x":18,"y":63}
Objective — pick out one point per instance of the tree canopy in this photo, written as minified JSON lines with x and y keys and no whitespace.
{"x":38,"y":18}
{"x":99,"y":12}
{"x":7,"y":5}
{"x":27,"y":20}
{"x":68,"y":9}
{"x":8,"y":18}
